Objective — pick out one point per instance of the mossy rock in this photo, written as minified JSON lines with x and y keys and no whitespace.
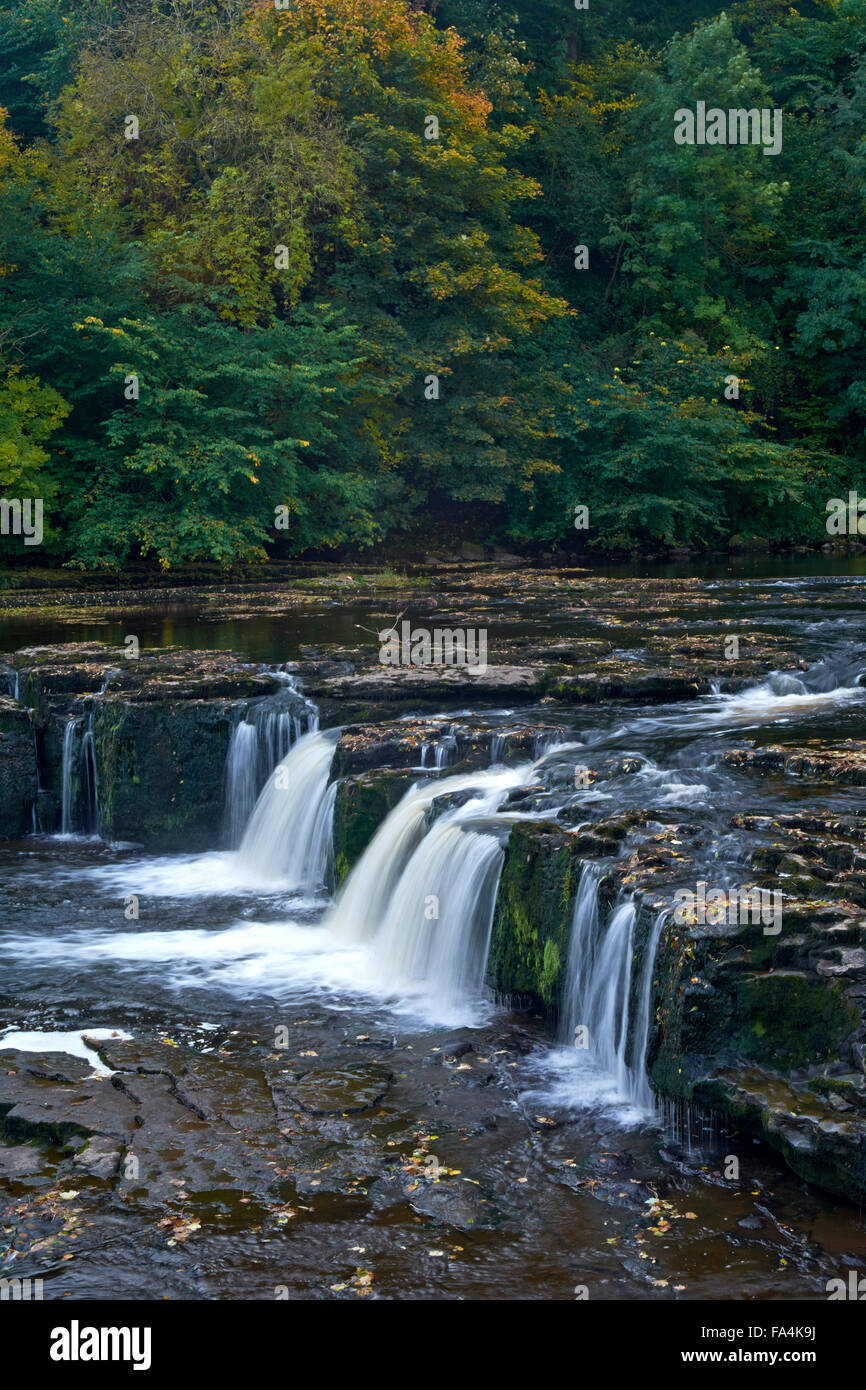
{"x":788,"y":1019}
{"x":532,"y":921}
{"x":17,"y":771}
{"x":819,"y":1144}
{"x":362,"y":803}
{"x":161,"y":770}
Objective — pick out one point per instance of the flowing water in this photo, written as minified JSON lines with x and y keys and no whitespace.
{"x":289,"y":834}
{"x":556,"y":1140}
{"x":67,"y":773}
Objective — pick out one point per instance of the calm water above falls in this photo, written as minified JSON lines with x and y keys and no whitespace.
{"x":240,"y":940}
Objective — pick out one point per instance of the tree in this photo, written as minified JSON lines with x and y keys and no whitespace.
{"x":214,"y":430}
{"x":700,"y":241}
{"x":433,"y":265}
{"x":661,"y":457}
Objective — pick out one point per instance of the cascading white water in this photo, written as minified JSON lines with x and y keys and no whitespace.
{"x":280,"y":731}
{"x":598,"y":989}
{"x":242,"y":771}
{"x":581,"y":949}
{"x":364,"y":897}
{"x":66,"y":775}
{"x":421,"y":898}
{"x":444,"y":752}
{"x":89,"y":775}
{"x":89,"y":781}
{"x":363,"y":900}
{"x":641,"y":1090}
{"x":88,"y":784}
{"x":435,"y":936}
{"x":288,"y":836}
{"x":604,"y":1004}
{"x":260,"y":741}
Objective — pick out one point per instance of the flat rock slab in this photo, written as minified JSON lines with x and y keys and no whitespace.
{"x":20,"y":1160}
{"x":394,"y":683}
{"x":56,"y":1097}
{"x":844,"y":762}
{"x":99,"y":1157}
{"x":340,"y":1090}
{"x":49,"y":1066}
{"x":453,"y":1204}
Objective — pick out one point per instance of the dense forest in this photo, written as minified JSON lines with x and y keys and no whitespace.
{"x":291,"y":276}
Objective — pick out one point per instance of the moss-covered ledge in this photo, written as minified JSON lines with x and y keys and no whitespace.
{"x":161,"y":769}
{"x":532,"y":919}
{"x":361,"y":804}
{"x":18,"y":782}
{"x":817,"y":1142}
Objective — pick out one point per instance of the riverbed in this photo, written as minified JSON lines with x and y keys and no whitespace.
{"x":317,"y":1112}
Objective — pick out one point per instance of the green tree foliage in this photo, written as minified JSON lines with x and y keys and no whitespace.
{"x":338,"y":260}
{"x":205,"y":443}
{"x":663,"y":456}
{"x":29,"y":413}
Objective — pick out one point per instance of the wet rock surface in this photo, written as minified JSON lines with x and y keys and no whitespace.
{"x":246,"y":1170}
{"x":18,"y":770}
{"x":844,"y":763}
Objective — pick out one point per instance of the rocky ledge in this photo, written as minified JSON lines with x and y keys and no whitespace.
{"x":160,"y":727}
{"x":761,"y":1018}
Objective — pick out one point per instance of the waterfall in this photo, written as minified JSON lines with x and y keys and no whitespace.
{"x":89,"y":782}
{"x":444,"y":752}
{"x":598,"y":988}
{"x":288,"y":836}
{"x":66,"y":775}
{"x":641,"y":1090}
{"x":260,"y":741}
{"x":242,"y":763}
{"x":79,"y":787}
{"x":10,"y":675}
{"x":423,"y":893}
{"x":83,"y":789}
{"x":311,"y":710}
{"x":435,"y":936}
{"x":546,"y":743}
{"x":604,"y":1004}
{"x":364,"y":897}
{"x":581,"y":949}
{"x":34,"y":820}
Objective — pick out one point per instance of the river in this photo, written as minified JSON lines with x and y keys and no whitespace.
{"x":562,"y":1173}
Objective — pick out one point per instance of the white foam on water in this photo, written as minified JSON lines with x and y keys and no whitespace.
{"x":75,"y":1044}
